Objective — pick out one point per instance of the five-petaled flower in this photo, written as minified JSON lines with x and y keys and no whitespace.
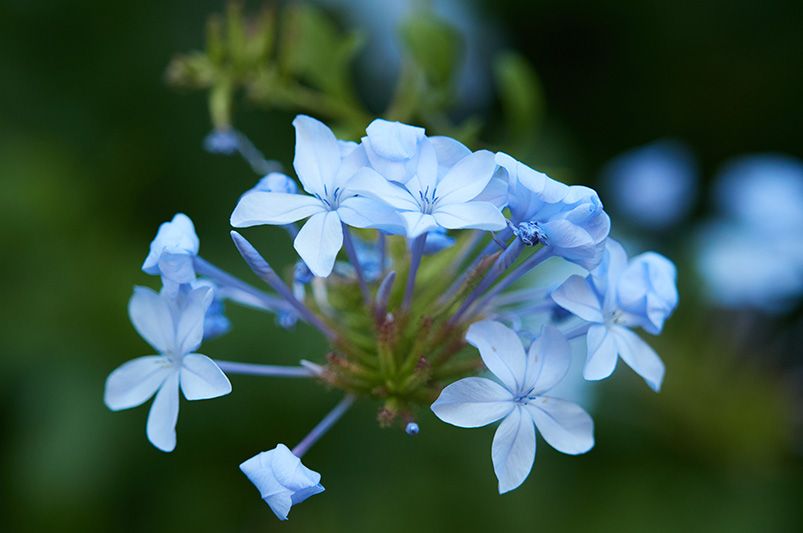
{"x":519,"y":400}
{"x":281,"y":478}
{"x":325,"y":167}
{"x":438,"y":196}
{"x":174,"y":327}
{"x":615,"y":297}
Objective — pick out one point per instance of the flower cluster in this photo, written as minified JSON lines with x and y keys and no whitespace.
{"x":414,"y":250}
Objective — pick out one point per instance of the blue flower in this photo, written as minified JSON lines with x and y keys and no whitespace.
{"x":281,"y":478}
{"x":175,"y":330}
{"x":392,"y":148}
{"x":437,"y":240}
{"x":519,"y":400}
{"x":224,"y":142}
{"x":568,"y":219}
{"x":436,"y":197}
{"x":654,"y":185}
{"x":325,"y":168}
{"x":172,"y":251}
{"x":616,"y":297}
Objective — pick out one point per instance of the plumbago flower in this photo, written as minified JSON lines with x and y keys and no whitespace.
{"x":519,"y":400}
{"x":175,"y":329}
{"x":325,"y":168}
{"x":615,"y":297}
{"x":461,"y":228}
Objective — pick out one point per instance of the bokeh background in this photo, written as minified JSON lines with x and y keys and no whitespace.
{"x":96,"y":150}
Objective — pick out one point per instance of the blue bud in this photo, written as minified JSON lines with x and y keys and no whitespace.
{"x":224,"y":142}
{"x":411,"y":429}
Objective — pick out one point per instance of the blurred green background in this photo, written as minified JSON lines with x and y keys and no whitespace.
{"x":96,"y":151}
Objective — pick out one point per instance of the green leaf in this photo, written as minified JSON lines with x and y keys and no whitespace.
{"x":434,"y":45}
{"x":315,"y":50}
{"x":520,"y":93}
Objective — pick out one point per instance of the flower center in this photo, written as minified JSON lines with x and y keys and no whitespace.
{"x":330,"y":200}
{"x":427,"y":200}
{"x":530,"y":233}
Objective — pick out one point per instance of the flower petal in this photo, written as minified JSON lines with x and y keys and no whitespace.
{"x":317,"y":158}
{"x":417,"y":223}
{"x":362,"y":212}
{"x":133,"y":382}
{"x":151,"y":317}
{"x":513,"y":450}
{"x":467,"y":178}
{"x":201,"y":378}
{"x":564,"y":425}
{"x":449,"y":152}
{"x":367,"y":182}
{"x":578,"y":297}
{"x":501,"y":351}
{"x":161,"y":428}
{"x":469,"y":215}
{"x":548,"y":361}
{"x":602,"y":353}
{"x":473,"y":402}
{"x":190,"y":320}
{"x":640,"y":357}
{"x":319,"y":241}
{"x":394,"y":140}
{"x":258,"y":207}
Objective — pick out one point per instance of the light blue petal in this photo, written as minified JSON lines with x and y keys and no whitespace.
{"x":417,"y":223}
{"x":133,"y":382}
{"x":501,"y":351}
{"x":151,"y":317}
{"x":449,"y":152}
{"x":319,"y":241}
{"x":257,"y":207}
{"x":564,"y":425}
{"x":162,"y":418}
{"x":317,"y":158}
{"x":467,"y":179}
{"x":189,"y":322}
{"x":470,"y":215}
{"x":578,"y":297}
{"x":369,"y":183}
{"x":602,"y":353}
{"x":176,"y":236}
{"x":281,"y":478}
{"x":394,"y":140}
{"x":426,"y":171}
{"x":647,"y":288}
{"x":362,"y":212}
{"x":548,"y":361}
{"x":201,"y":378}
{"x":640,"y":357}
{"x":473,"y":402}
{"x":513,"y":450}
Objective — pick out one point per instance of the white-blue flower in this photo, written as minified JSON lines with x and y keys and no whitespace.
{"x":281,"y":479}
{"x":438,"y":196}
{"x":616,"y":297}
{"x":276,"y":182}
{"x":519,"y":400}
{"x":325,"y":167}
{"x":172,"y":251}
{"x":568,"y":219}
{"x":175,"y":330}
{"x":392,"y":148}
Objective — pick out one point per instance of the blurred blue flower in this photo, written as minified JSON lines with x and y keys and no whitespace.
{"x":615,"y":297}
{"x":752,"y":256}
{"x":225,"y":142}
{"x":653,"y":186}
{"x":519,"y":400}
{"x":281,"y":478}
{"x":175,"y":329}
{"x":437,"y":240}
